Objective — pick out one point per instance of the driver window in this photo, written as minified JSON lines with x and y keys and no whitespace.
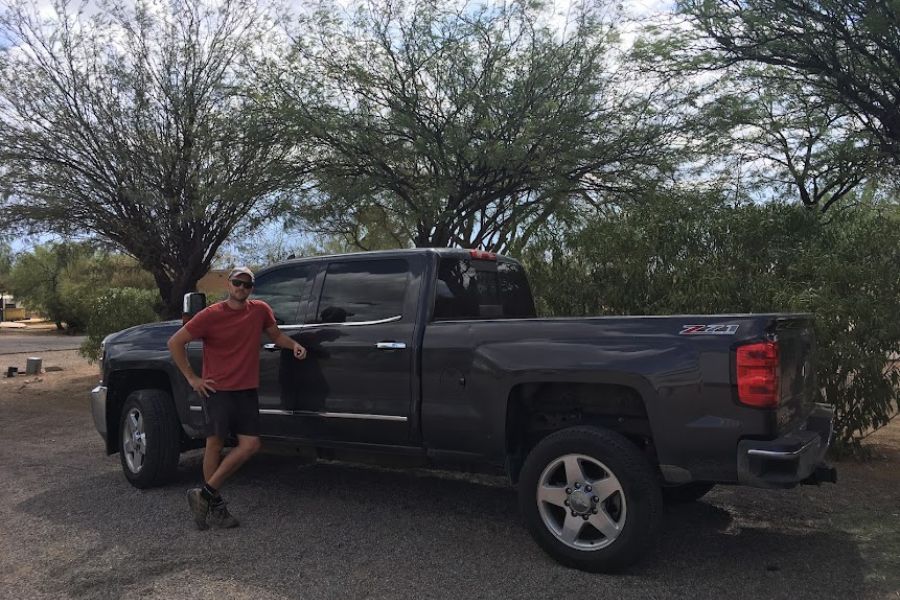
{"x":284,"y":290}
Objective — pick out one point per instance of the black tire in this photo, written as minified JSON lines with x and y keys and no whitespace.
{"x":686,"y":492}
{"x":157,"y":461}
{"x":638,"y":492}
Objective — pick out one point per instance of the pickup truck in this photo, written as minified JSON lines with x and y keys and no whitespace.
{"x":437,"y":356}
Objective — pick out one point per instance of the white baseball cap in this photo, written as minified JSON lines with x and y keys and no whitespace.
{"x":241,"y":270}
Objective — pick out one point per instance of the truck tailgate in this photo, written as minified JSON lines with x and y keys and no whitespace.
{"x":796,"y":346}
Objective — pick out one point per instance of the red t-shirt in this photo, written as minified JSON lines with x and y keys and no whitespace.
{"x":231,"y":342}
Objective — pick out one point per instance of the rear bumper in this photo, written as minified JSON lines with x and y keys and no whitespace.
{"x":98,"y":409}
{"x":790,"y":459}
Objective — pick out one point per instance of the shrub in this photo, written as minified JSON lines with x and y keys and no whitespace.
{"x":62,"y":281}
{"x":37,"y":280}
{"x":116,"y":309}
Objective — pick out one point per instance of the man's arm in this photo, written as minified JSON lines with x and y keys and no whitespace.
{"x":282,"y":341}
{"x":176,"y":346}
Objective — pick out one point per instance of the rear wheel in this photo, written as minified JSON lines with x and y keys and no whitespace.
{"x":590,"y":499}
{"x":149,"y":440}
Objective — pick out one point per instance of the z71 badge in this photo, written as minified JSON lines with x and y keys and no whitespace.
{"x":708,"y":329}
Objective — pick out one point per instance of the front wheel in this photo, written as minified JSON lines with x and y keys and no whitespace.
{"x":590,"y":499}
{"x":149,"y":440}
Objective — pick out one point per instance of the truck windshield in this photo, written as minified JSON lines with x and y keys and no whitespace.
{"x":481,"y":289}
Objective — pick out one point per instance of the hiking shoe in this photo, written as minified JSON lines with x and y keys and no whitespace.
{"x":199,"y":508}
{"x":220,"y":517}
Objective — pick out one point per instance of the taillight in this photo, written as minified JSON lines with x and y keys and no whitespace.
{"x":757,"y":374}
{"x":482,"y":255}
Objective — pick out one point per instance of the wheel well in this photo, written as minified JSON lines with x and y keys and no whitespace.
{"x":535,"y":410}
{"x":119,"y":386}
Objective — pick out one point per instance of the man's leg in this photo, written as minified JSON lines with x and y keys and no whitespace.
{"x":244,"y":422}
{"x":242,"y":417}
{"x":212,"y":456}
{"x":248,"y":445}
{"x":206,"y":503}
{"x":216,"y":415}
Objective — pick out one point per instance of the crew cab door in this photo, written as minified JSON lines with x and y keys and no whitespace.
{"x":286,"y":290}
{"x":358,"y":376}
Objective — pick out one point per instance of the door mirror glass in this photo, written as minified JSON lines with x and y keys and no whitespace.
{"x":194,"y":302}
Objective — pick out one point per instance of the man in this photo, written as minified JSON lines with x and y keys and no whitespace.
{"x":230,"y":331}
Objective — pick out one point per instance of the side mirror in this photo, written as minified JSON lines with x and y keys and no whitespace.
{"x":194,"y":302}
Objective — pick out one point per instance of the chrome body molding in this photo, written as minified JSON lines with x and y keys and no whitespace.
{"x":330,"y":415}
{"x":351,"y":324}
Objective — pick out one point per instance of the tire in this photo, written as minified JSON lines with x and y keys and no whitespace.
{"x":687,"y":492}
{"x":628,"y":506}
{"x":149,"y":438}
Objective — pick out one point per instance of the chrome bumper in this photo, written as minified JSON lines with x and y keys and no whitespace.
{"x":790,"y":459}
{"x":98,"y":409}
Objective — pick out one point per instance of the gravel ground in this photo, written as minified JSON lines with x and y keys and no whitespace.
{"x":67,"y":360}
{"x":73,"y":527}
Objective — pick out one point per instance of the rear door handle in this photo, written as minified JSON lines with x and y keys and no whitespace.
{"x":270,"y":347}
{"x":390,"y":346}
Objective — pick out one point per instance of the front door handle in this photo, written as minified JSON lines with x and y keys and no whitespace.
{"x":390,"y":346}
{"x":270,"y":347}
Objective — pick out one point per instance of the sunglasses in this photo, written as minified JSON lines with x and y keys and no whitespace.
{"x":242,"y":283}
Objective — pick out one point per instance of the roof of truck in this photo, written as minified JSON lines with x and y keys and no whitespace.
{"x":394,"y":252}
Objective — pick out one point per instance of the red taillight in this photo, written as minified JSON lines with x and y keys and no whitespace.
{"x":482,"y":255}
{"x":757,"y":374}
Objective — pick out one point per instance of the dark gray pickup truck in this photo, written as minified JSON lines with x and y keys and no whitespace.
{"x":436,"y":356}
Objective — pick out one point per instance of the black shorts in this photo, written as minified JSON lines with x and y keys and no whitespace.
{"x":231,"y":412}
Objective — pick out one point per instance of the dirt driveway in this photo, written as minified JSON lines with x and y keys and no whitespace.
{"x":73,"y":528}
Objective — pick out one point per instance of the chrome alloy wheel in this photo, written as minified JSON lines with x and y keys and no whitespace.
{"x":581,"y":502}
{"x":134,"y":440}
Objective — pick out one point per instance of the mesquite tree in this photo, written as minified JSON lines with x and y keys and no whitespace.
{"x":130,"y":121}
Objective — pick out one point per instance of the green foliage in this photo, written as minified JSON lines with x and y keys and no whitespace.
{"x":62,"y":281}
{"x":37,"y":280}
{"x":114,"y":310}
{"x":470,"y":124}
{"x":131,"y":121}
{"x":6,"y":260}
{"x":845,"y":51}
{"x":758,"y":127}
{"x":697,"y":254}
{"x":89,"y":277}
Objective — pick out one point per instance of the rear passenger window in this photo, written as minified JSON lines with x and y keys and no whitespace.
{"x":481,"y":289}
{"x":369,"y":290}
{"x":284,"y":290}
{"x":515,"y":293}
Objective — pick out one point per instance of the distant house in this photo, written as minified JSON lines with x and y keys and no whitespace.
{"x":10,"y":310}
{"x":213,"y":284}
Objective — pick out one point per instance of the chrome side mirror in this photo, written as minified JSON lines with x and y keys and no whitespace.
{"x":194,"y":302}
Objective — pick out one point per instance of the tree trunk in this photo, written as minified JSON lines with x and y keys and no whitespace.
{"x":172,"y":291}
{"x":164,"y":285}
